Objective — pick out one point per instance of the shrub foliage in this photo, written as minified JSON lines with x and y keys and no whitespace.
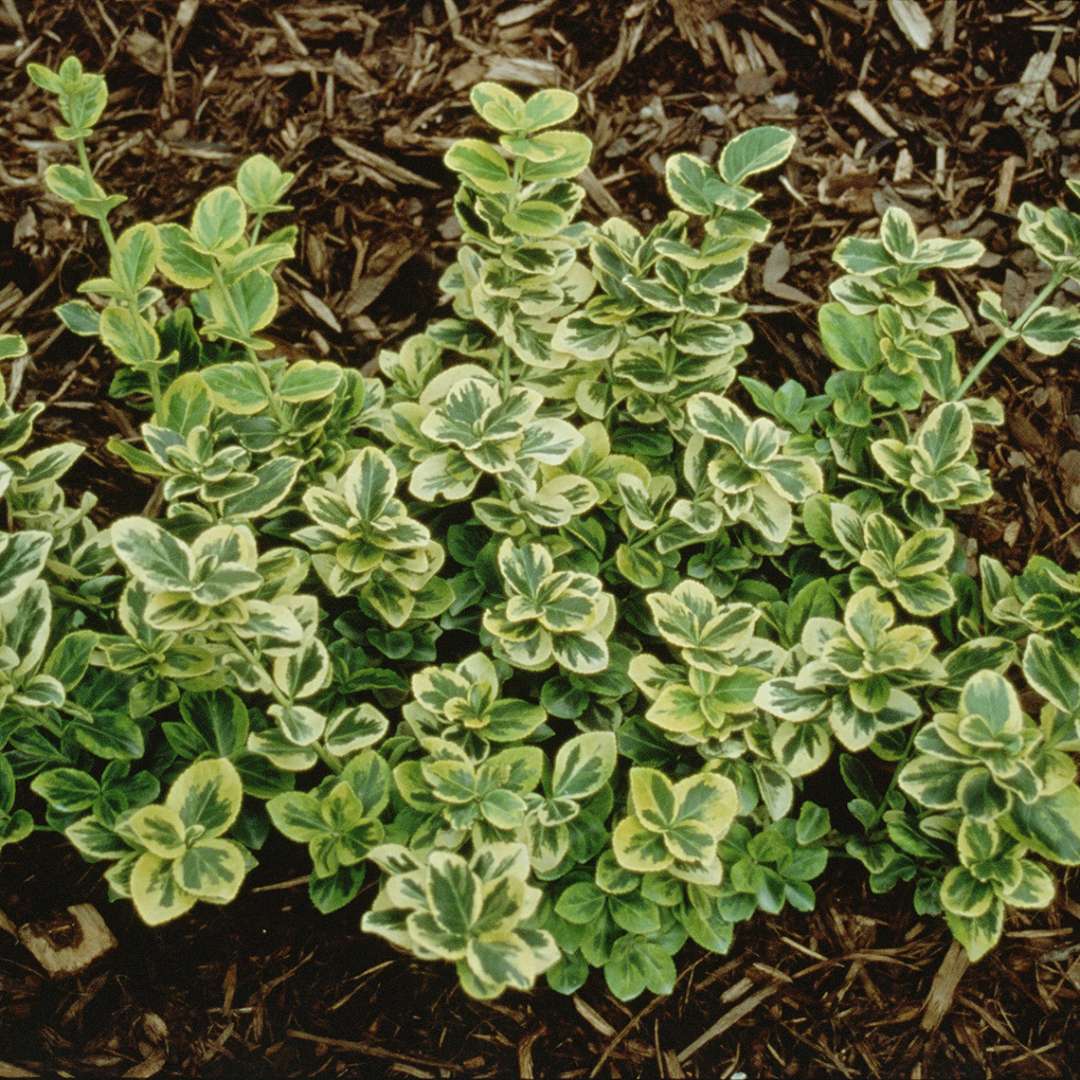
{"x":543,"y":628}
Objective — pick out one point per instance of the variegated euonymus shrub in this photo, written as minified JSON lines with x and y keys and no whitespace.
{"x":544,"y":629}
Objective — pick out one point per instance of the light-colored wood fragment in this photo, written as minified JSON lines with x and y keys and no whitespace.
{"x":943,"y":989}
{"x":866,"y":109}
{"x":521,"y":13}
{"x":592,"y":1017}
{"x":732,"y":1016}
{"x":291,"y":35}
{"x":382,"y":165}
{"x":68,"y":943}
{"x":1003,"y":196}
{"x":913,"y":23}
{"x":905,"y":166}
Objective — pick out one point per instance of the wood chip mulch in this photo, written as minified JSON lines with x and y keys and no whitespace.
{"x":957,"y":110}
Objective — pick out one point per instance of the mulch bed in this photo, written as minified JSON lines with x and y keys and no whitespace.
{"x":361,"y":99}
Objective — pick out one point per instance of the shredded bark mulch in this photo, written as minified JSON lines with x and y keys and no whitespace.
{"x":958,"y":117}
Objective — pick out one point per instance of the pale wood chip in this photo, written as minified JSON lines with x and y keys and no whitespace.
{"x":866,"y":109}
{"x":186,"y":12}
{"x":732,"y":1016}
{"x":520,"y":13}
{"x":319,"y":309}
{"x":932,"y":83}
{"x":598,"y":193}
{"x":913,"y":23}
{"x":592,"y":1017}
{"x":1003,"y":196}
{"x":354,"y":73}
{"x":940,"y":999}
{"x":291,"y":36}
{"x":67,"y":944}
{"x":377,"y":162}
{"x":523,"y":69}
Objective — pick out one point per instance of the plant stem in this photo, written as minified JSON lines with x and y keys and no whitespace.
{"x":328,"y":759}
{"x":241,"y":647}
{"x":980,"y":365}
{"x":103,"y":224}
{"x":132,"y":300}
{"x":883,"y":805}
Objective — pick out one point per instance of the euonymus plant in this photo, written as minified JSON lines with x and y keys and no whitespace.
{"x":543,"y":629}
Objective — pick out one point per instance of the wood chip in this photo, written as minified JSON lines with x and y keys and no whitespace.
{"x":369,"y":288}
{"x":354,"y":73}
{"x":523,"y":69}
{"x":865,"y":108}
{"x":943,"y":988}
{"x":592,"y":1017}
{"x":291,"y":37}
{"x":186,"y":12}
{"x":319,"y":309}
{"x":521,"y":13}
{"x":776,"y":267}
{"x":383,"y":165}
{"x":732,"y":1016}
{"x":1003,"y":196}
{"x":913,"y":23}
{"x":68,"y":943}
{"x":931,"y":83}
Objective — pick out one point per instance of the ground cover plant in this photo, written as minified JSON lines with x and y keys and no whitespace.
{"x":541,"y":624}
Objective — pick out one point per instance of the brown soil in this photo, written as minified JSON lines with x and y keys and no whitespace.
{"x":360,"y":100}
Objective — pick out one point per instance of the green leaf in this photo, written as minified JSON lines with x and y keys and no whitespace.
{"x":898,"y":234}
{"x":22,"y":559}
{"x":78,"y":316}
{"x":1051,"y":331}
{"x":151,"y":555}
{"x":208,"y":795}
{"x":236,"y":388}
{"x":12,"y":345}
{"x":135,"y":257}
{"x":1050,"y":671}
{"x":481,"y":165}
{"x":755,"y":151}
{"x":851,"y":341}
{"x":180,"y":261}
{"x":332,"y":893}
{"x":945,"y":435}
{"x":545,"y":108}
{"x":262,"y":184}
{"x":581,"y":904}
{"x":65,"y":789}
{"x":637,"y":964}
{"x":309,"y":380}
{"x":583,"y":765}
{"x":132,"y":339}
{"x":156,"y":895}
{"x":159,"y":829}
{"x":219,"y":220}
{"x":1050,"y":826}
{"x":186,"y":404}
{"x":502,"y":108}
{"x":274,"y":480}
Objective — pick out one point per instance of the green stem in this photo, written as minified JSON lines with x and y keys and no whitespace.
{"x":241,"y":647}
{"x":328,"y":759}
{"x":980,"y":365}
{"x":131,"y":299}
{"x":884,"y":804}
{"x":103,"y":224}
